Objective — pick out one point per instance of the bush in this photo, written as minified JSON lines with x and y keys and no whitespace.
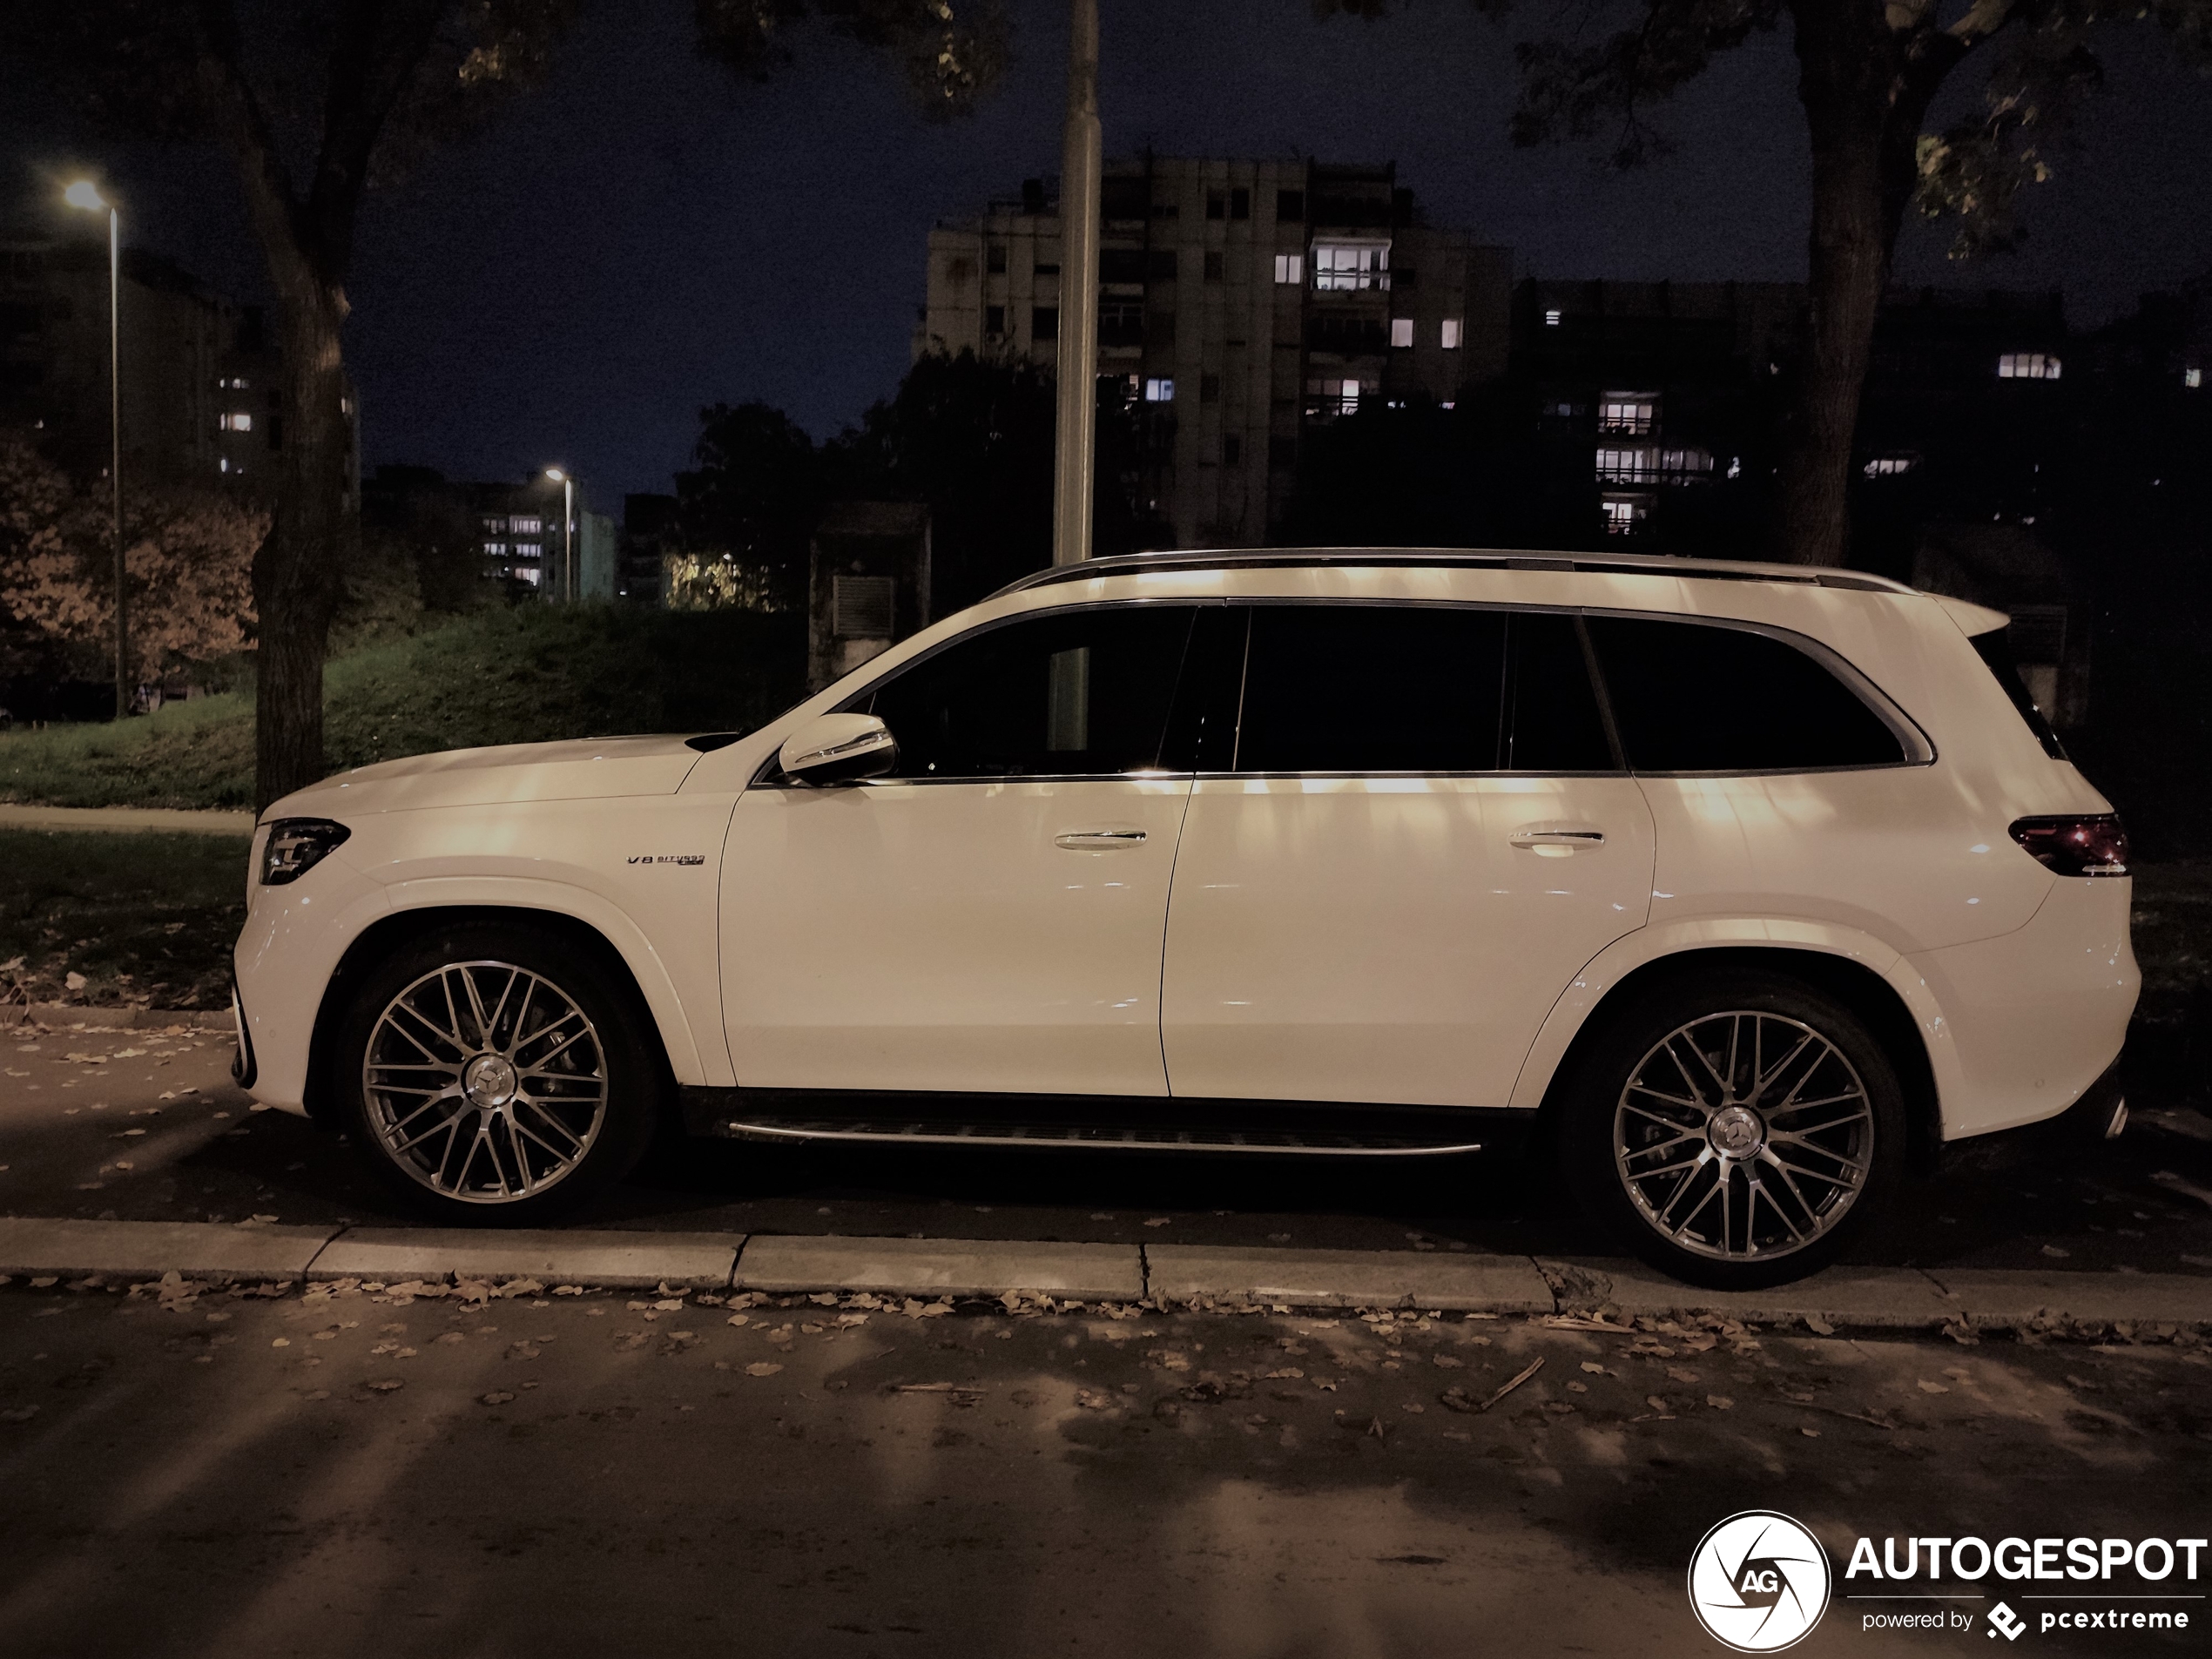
{"x":524,"y":675}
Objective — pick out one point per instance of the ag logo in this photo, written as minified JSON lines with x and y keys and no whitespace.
{"x":1758,"y":1581}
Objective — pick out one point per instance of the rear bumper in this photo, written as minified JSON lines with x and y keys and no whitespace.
{"x":2099,"y":1116}
{"x":2032,"y":1019}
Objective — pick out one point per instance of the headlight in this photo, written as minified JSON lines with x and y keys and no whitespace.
{"x":296,"y":845}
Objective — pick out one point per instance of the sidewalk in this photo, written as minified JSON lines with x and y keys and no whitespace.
{"x":1167,"y":1275}
{"x":136,"y":820}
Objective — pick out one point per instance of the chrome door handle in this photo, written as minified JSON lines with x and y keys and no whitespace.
{"x":1570,"y":838}
{"x":1101,"y":840}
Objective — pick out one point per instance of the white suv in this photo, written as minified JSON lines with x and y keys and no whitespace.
{"x":1752,"y":886}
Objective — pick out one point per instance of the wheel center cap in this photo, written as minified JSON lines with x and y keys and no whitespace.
{"x":1736,"y":1131}
{"x":489,"y":1080}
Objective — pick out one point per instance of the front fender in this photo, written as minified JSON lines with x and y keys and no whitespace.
{"x":647,"y":965}
{"x":1624,"y":956}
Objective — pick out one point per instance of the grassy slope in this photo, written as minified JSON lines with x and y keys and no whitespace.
{"x":518,"y":676}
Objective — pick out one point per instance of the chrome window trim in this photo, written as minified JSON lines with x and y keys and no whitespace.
{"x":1919,"y":749}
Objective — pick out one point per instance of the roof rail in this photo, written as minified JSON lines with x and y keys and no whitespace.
{"x":1277,"y":559}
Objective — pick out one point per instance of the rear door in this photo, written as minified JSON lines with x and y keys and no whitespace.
{"x":1414,"y":837}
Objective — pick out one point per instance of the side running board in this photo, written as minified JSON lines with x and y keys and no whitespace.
{"x":1273,"y":1127}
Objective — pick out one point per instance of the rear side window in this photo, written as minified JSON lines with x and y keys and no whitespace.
{"x":1689,"y":696}
{"x":1995,"y":649}
{"x":1067,"y":693}
{"x":1416,"y":688}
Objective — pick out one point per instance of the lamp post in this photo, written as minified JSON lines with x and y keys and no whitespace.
{"x":84,"y":194}
{"x":1075,"y":461}
{"x":567,"y":481}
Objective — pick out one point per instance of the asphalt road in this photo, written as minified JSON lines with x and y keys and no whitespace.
{"x":140,"y":1125}
{"x":353,"y":1474}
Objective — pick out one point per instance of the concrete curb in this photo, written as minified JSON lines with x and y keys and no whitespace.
{"x":71,"y":1016}
{"x":1348,"y":1278}
{"x":943,"y":1267}
{"x":1872,"y":1298}
{"x":2011,"y":1299}
{"x":129,"y":820}
{"x":148,"y":1249}
{"x":623,"y":1260}
{"x":1866,"y":1298}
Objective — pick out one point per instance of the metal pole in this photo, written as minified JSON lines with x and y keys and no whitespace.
{"x":568,"y":537}
{"x":115,"y":458}
{"x":1075,"y":463}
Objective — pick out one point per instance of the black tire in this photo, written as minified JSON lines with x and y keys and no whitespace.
{"x":414,"y":1140}
{"x":1694,"y":1188}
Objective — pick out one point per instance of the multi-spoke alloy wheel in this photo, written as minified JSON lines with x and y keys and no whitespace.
{"x":485,"y":1082}
{"x":1744,"y":1135}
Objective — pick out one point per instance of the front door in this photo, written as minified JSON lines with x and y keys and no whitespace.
{"x":1421,"y":837}
{"x":988,"y":916}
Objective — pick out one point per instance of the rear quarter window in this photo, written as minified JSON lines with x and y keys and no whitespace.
{"x":1691,"y":696}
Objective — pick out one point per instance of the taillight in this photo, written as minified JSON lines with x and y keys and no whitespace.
{"x":2091,"y":844}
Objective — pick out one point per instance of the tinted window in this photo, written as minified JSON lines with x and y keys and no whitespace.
{"x":1995,"y":649}
{"x":1072,"y":692}
{"x":1552,"y":719}
{"x":1690,"y":698}
{"x":1372,"y":688}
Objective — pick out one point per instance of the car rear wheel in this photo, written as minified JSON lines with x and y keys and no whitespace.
{"x":1736,"y":1132}
{"x":495,"y":1076}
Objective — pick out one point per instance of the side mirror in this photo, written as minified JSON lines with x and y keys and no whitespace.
{"x":839,"y":749}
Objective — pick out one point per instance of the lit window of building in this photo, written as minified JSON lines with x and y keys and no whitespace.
{"x":1633,"y":413}
{"x":1624,"y":514}
{"x":1450,"y":338}
{"x":1290,"y":268}
{"x":2192,"y":378}
{"x":528,"y":574}
{"x":1351,"y":266}
{"x":527,"y":550}
{"x":2027,"y":366}
{"x":1401,"y":332}
{"x":1890,"y":465}
{"x":1551,"y":318}
{"x":1159,"y":391}
{"x":236,"y":421}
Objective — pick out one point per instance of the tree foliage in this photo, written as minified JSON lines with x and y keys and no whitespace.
{"x":315,"y":101}
{"x":1869,"y":71}
{"x":188,"y":554}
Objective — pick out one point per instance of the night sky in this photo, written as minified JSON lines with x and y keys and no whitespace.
{"x":643,"y":236}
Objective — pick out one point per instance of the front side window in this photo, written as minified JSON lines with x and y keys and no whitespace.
{"x":1416,"y":689}
{"x":1689,"y":697}
{"x":1079,"y":692}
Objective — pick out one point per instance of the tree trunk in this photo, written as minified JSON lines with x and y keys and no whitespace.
{"x":1863,"y":100}
{"x":296,"y":571}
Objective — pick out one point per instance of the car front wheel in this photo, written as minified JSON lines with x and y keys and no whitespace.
{"x":1736,"y":1132}
{"x":494,"y":1075}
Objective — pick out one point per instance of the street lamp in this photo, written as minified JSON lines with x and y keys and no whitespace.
{"x":84,"y":194}
{"x":567,"y":481}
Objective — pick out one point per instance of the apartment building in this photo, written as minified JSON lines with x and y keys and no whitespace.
{"x":201,"y":396}
{"x":1241,"y":303}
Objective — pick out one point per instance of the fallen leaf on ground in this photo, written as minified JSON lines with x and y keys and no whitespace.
{"x":385,"y":1386}
{"x":1091,"y":1402}
{"x":1927,"y":1387}
{"x":497,"y":1397}
{"x":1818,"y":1326}
{"x":1675,"y":1373}
{"x":1720,"y":1402}
{"x":762,"y":1368}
